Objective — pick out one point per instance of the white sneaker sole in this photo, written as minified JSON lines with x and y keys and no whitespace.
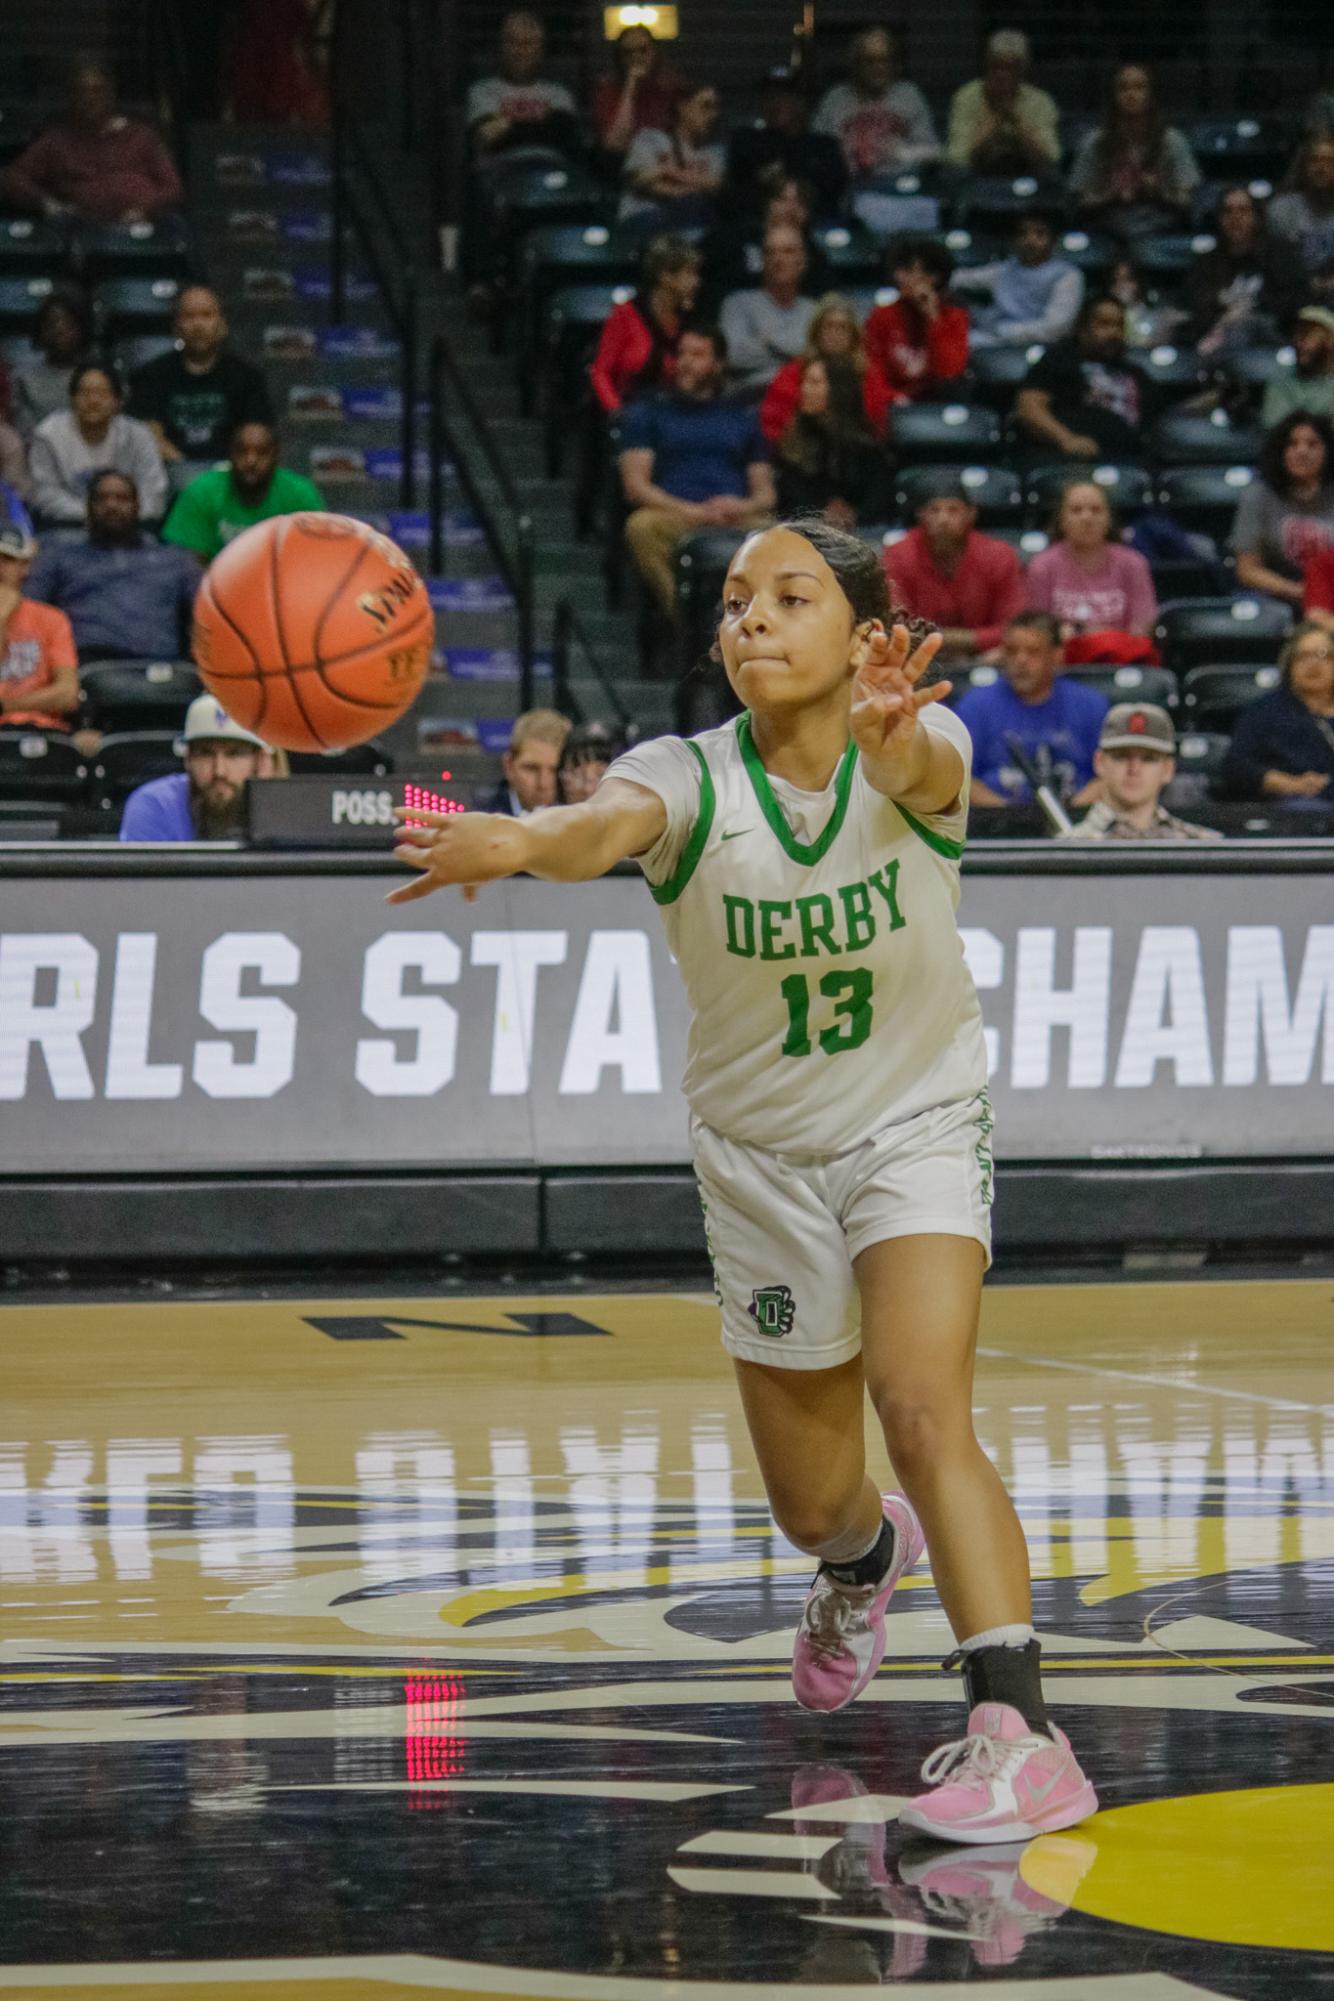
{"x":1080,"y":1808}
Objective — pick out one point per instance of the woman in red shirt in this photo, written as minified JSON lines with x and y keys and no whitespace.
{"x":637,"y":348}
{"x":835,"y":335}
{"x":920,"y":341}
{"x":639,"y":95}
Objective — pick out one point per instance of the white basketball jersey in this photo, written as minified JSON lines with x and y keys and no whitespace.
{"x":816,"y":936}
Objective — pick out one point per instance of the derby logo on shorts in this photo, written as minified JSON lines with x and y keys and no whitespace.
{"x":773,"y":1309}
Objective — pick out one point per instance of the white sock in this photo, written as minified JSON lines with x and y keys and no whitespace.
{"x":997,"y":1636}
{"x":850,"y":1547}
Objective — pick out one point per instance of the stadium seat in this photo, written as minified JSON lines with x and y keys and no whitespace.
{"x":27,"y":247}
{"x":992,"y":201}
{"x":139,"y":695}
{"x":1170,"y":368}
{"x":131,"y":758}
{"x":36,"y":766}
{"x":964,"y":677}
{"x":1203,"y":497}
{"x":554,"y":257}
{"x":19,"y":300}
{"x":1256,"y":367}
{"x":1200,"y":758}
{"x":1183,"y":438}
{"x":995,"y":491}
{"x":1026,"y":542}
{"x":1240,"y":149}
{"x":1171,"y":255}
{"x":944,"y":432}
{"x":135,"y":305}
{"x":852,"y":253}
{"x":1200,"y":630}
{"x":970,"y":247}
{"x":1212,"y":696}
{"x":999,"y":373}
{"x":546,"y":194}
{"x":143,"y":348}
{"x":571,"y":324}
{"x":1128,"y":488}
{"x":363,"y":760}
{"x":133,"y":250}
{"x":701,"y":566}
{"x":1091,"y":250}
{"x":1129,"y":684}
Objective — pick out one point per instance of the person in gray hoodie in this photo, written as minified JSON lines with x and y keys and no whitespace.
{"x":92,"y":436}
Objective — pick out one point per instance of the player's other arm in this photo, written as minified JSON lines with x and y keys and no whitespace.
{"x":912,"y":765}
{"x":559,"y":844}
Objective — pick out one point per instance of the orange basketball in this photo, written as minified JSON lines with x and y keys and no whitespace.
{"x":313,"y":630}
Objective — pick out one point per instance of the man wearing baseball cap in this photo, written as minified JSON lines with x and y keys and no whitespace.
{"x":39,"y":667}
{"x":1309,"y":385}
{"x":206,"y":801}
{"x":1135,"y":759}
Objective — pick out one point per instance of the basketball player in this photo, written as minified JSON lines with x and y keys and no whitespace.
{"x":806,"y":859}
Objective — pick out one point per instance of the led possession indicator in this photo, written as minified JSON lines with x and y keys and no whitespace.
{"x":420,"y":799}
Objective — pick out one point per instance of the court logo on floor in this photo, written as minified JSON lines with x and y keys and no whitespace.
{"x":773,"y":1309}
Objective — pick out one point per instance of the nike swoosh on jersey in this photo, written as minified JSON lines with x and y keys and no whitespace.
{"x":735,"y":833}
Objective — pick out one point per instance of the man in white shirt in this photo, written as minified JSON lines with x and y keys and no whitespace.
{"x":766,"y":328}
{"x":882,"y":121}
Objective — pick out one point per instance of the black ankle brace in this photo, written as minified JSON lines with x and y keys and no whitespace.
{"x":868,"y":1569}
{"x":1012,"y":1675}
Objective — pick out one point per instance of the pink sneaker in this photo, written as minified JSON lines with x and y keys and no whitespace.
{"x":1002,"y":1782}
{"x":982,"y":1891}
{"x":841,"y":1641}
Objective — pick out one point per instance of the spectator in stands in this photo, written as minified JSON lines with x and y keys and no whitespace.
{"x":736,"y":241}
{"x":530,"y":765}
{"x":94,"y":165}
{"x":1088,"y":579}
{"x":879,"y":119}
{"x":673,"y":176}
{"x":1150,"y":319}
{"x":14,"y":508}
{"x":127,"y":596}
{"x":690,"y":460}
{"x":783,"y":143}
{"x":1303,"y":214}
{"x":1243,"y":292}
{"x":1135,"y":761}
{"x":835,"y":334}
{"x":277,"y":73}
{"x":1056,"y":720}
{"x":828,"y":460}
{"x":1309,"y":384}
{"x":39,"y":670}
{"x":62,"y":333}
{"x":968,"y":584}
{"x":636,"y":352}
{"x":1082,"y":399}
{"x":767,"y":326}
{"x":1136,"y":174}
{"x":251,"y":487}
{"x":639,"y":96}
{"x":518,"y":107}
{"x":13,"y":463}
{"x":1283,"y":744}
{"x":1286,"y":515}
{"x":1000,"y":123}
{"x":921,"y":340}
{"x":90,"y":436}
{"x":589,"y":749}
{"x":206,"y":801}
{"x":1031,"y":295}
{"x":193,"y":398}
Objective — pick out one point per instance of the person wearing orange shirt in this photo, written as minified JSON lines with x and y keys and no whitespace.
{"x":39,"y":668}
{"x":920,"y":341}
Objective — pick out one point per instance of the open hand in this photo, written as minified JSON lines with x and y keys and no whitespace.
{"x":463,"y":848}
{"x":886,"y":694}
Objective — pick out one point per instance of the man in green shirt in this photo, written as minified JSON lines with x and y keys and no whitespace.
{"x":251,"y":487}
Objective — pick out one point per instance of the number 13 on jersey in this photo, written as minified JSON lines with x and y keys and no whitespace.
{"x":851,"y":1024}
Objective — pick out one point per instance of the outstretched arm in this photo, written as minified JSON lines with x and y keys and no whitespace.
{"x":916,"y":767}
{"x":561,"y":843}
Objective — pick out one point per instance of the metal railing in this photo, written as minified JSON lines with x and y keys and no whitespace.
{"x":568,"y":631}
{"x":361,"y":203}
{"x":502,"y":513}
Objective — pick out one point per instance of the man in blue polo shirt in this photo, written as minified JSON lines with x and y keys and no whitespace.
{"x":127,"y":595}
{"x":689,"y":460}
{"x":1057,"y":721}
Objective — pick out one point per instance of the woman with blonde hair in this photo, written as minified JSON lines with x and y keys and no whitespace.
{"x":835,"y":335}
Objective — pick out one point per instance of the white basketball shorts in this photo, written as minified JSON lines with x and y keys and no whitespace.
{"x":783,"y":1233}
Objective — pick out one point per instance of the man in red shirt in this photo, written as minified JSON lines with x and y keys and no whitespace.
{"x":920,"y":341}
{"x":94,"y":164}
{"x":39,"y":668}
{"x":970,"y":585}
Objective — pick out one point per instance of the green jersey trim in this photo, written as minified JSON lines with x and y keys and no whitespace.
{"x":667,"y":892}
{"x":800,"y":851}
{"x":943,"y":845}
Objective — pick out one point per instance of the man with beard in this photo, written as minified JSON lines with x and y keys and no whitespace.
{"x":206,"y":801}
{"x":1082,"y":399}
{"x":214,"y":509}
{"x":127,"y":596}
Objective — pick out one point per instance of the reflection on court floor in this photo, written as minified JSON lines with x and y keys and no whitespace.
{"x":373,"y":1648}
